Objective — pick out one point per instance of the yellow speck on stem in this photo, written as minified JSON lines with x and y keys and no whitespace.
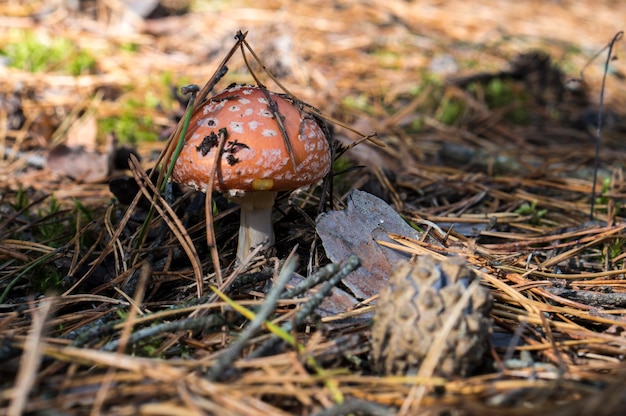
{"x":262,"y":184}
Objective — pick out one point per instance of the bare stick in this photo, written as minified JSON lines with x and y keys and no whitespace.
{"x":208,"y":209}
{"x":617,"y":37}
{"x":267,"y":308}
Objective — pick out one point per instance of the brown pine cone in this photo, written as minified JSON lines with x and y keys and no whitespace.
{"x":414,"y":307}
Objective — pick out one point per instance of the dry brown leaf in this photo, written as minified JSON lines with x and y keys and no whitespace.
{"x":355,"y":230}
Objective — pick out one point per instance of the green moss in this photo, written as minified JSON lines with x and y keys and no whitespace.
{"x":53,"y":226}
{"x":417,"y":125}
{"x":450,"y":110}
{"x":130,"y":126}
{"x":358,"y":102}
{"x":606,"y":187}
{"x":37,"y":54}
{"x":342,"y":181}
{"x":21,"y":200}
{"x":616,"y":248}
{"x":129,"y":47}
{"x":46,"y":279}
{"x":388,"y":59}
{"x":531,"y":210}
{"x":504,"y":92}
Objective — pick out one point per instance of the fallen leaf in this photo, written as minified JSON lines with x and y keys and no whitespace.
{"x":355,"y":230}
{"x":83,"y":132}
{"x":78,"y":163}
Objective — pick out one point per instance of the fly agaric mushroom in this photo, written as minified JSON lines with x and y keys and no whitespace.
{"x":255,"y":162}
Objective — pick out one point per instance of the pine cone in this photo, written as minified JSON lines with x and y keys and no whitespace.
{"x":414,"y":307}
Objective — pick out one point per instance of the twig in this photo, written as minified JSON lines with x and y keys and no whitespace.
{"x":208,"y":208}
{"x":189,"y":324}
{"x":267,"y":308}
{"x":96,"y":331}
{"x":591,"y":298}
{"x":169,"y":155}
{"x":596,"y":162}
{"x":169,"y":216}
{"x":356,"y":406}
{"x":336,"y":274}
{"x":347,"y":267}
{"x":31,"y":359}
{"x":311,"y":281}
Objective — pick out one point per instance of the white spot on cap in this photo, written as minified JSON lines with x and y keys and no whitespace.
{"x":234,"y":108}
{"x":269,"y":133}
{"x":271,"y":158}
{"x":253,"y":125}
{"x":236,"y":126}
{"x":264,"y":112}
{"x":244,"y":101}
{"x":263,"y":100}
{"x":248,"y":111}
{"x":215,"y":106}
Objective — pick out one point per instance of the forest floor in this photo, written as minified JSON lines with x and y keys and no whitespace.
{"x":476,"y":122}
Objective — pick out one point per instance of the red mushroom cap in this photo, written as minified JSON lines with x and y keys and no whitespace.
{"x":254,"y":157}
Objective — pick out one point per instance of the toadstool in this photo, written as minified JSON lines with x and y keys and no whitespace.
{"x":255,"y":162}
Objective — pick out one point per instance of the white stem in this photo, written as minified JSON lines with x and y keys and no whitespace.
{"x":256,"y":221}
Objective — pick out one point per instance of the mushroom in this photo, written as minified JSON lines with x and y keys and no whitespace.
{"x":255,"y":162}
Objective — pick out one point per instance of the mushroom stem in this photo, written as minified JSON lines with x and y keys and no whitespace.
{"x":256,"y":221}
